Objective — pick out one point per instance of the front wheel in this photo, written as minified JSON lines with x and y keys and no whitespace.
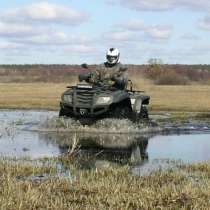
{"x":142,"y":116}
{"x":144,"y":113}
{"x":62,"y":112}
{"x":87,"y":121}
{"x":121,"y":112}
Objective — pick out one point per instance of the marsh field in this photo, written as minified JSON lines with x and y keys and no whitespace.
{"x":41,"y":95}
{"x":171,"y":87}
{"x":63,"y":170}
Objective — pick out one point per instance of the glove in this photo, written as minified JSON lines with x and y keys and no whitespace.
{"x":114,"y":77}
{"x":120,"y":81}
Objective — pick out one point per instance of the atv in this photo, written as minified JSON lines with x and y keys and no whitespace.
{"x":89,"y":102}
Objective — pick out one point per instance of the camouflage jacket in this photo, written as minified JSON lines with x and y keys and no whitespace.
{"x":110,"y":75}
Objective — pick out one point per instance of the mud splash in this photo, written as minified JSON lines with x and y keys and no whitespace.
{"x":101,"y":126}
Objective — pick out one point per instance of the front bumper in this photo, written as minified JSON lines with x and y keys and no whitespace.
{"x":83,"y":111}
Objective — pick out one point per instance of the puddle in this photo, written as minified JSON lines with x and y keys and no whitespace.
{"x":27,"y":144}
{"x":12,"y":121}
{"x":156,"y":165}
{"x":144,"y":152}
{"x":46,"y":176}
{"x":187,"y":147}
{"x":16,"y":142}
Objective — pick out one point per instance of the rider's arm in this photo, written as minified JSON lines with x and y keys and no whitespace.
{"x":120,"y":78}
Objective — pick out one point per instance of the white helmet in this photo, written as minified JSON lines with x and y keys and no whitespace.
{"x":112,"y":56}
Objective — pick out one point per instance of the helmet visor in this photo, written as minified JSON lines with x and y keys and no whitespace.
{"x":111,"y":59}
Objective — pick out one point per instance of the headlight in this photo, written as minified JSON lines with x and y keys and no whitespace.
{"x":133,"y":101}
{"x":104,"y":100}
{"x":67,"y":98}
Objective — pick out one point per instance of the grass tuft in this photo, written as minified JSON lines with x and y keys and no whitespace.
{"x":110,"y":188}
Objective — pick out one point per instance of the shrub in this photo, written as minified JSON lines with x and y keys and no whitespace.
{"x":165,"y":76}
{"x":171,"y":78}
{"x":154,"y":71}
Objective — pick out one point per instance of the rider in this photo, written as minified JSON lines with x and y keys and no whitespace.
{"x":110,"y":72}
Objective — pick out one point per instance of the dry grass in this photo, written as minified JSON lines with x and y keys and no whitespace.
{"x":110,"y":188}
{"x":47,"y":96}
{"x":180,"y":98}
{"x":31,"y":95}
{"x":176,"y":98}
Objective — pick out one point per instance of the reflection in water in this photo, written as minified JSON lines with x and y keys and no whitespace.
{"x":103,"y":150}
{"x":145,"y":153}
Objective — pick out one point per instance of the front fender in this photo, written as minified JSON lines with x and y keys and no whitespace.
{"x":137,"y":103}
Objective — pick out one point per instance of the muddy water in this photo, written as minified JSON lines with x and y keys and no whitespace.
{"x":188,"y":143}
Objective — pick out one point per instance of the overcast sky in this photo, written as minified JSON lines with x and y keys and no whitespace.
{"x":78,"y":31}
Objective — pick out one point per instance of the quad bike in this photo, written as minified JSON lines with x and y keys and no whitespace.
{"x":89,"y":102}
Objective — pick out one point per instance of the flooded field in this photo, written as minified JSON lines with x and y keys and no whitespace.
{"x":22,"y":135}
